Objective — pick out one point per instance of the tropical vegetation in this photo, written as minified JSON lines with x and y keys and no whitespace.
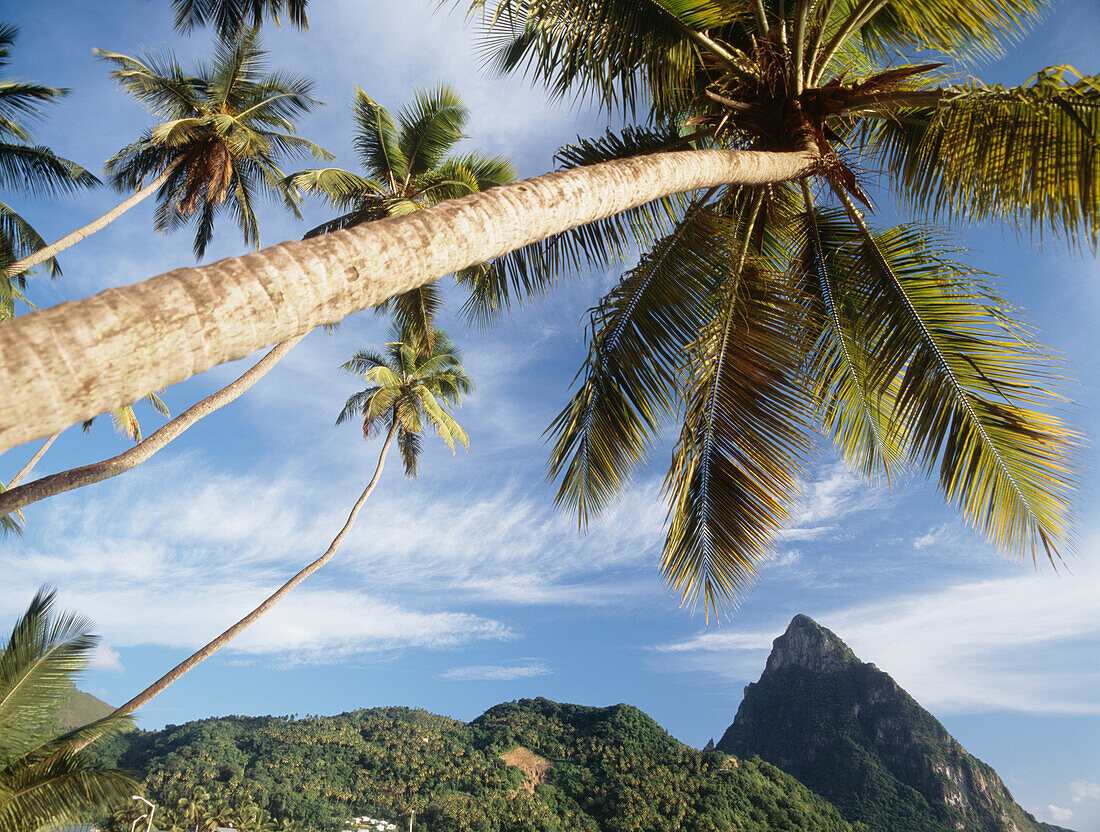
{"x":761,"y":311}
{"x":48,"y":774}
{"x":610,"y":770}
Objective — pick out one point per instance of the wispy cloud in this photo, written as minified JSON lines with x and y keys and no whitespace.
{"x":497,"y":672}
{"x":970,"y":646}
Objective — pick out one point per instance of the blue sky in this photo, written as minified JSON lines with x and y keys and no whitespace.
{"x":466,"y":588}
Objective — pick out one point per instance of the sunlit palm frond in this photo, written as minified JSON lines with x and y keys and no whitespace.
{"x":415,"y":313}
{"x":629,"y":385}
{"x":857,"y":417}
{"x":735,"y":473}
{"x":1030,"y":154}
{"x":635,"y":54}
{"x":975,"y":29}
{"x":339,"y":188}
{"x":431,"y":125}
{"x":972,"y":400}
{"x":228,"y":16}
{"x":376,"y":139}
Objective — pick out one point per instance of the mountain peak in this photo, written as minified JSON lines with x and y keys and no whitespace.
{"x":809,"y":646}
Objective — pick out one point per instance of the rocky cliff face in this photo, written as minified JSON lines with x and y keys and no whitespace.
{"x":850,"y":733}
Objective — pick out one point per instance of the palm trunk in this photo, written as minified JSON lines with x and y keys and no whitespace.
{"x":91,"y":228}
{"x":219,"y":642}
{"x":26,"y":469}
{"x":77,"y":360}
{"x":16,"y":498}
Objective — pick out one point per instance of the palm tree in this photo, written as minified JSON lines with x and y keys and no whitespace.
{"x":759,"y":315}
{"x":47,"y":779}
{"x":409,"y":167}
{"x":228,"y":16}
{"x":28,"y":169}
{"x":223,"y":131}
{"x":912,"y":358}
{"x":411,"y":386}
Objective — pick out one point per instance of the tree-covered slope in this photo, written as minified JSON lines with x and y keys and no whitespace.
{"x":590,"y":769}
{"x":850,"y":733}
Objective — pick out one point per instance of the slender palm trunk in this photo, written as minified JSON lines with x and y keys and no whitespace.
{"x":77,"y":360}
{"x":26,"y":469}
{"x":219,"y":642}
{"x":91,"y":228}
{"x":16,"y":498}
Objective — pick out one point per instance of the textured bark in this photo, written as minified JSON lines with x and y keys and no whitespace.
{"x":91,"y":228}
{"x":16,"y":498}
{"x":218,"y":643}
{"x":79,"y":359}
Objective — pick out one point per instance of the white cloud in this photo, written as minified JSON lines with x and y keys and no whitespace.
{"x":496,"y":673}
{"x":104,"y":658}
{"x":1057,"y":814}
{"x":971,"y":646}
{"x":1082,"y":790}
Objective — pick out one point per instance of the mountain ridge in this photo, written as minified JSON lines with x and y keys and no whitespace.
{"x":847,"y":730}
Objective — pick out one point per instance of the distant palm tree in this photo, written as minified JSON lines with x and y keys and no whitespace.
{"x":409,"y":166}
{"x":411,"y":387}
{"x":224,"y":128}
{"x":48,"y":778}
{"x":27,"y":169}
{"x":218,"y":144}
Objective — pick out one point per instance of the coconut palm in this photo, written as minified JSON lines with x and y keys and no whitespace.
{"x":226,"y":126}
{"x":759,"y":315}
{"x":913,"y":358}
{"x":413,"y":385}
{"x":48,"y":778}
{"x":416,"y":382}
{"x":28,"y":169}
{"x":219,"y":143}
{"x":409,"y":166}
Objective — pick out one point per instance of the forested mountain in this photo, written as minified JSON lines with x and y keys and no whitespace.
{"x":527,"y":766}
{"x":850,"y":733}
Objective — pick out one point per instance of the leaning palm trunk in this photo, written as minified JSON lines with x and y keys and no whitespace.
{"x":219,"y":642}
{"x":14,"y":498}
{"x":91,"y":228}
{"x":80,"y":359}
{"x":26,"y":469}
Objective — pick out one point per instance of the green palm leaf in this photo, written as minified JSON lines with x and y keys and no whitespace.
{"x":1030,"y":154}
{"x":972,"y":400}
{"x":735,"y":473}
{"x":630,"y":376}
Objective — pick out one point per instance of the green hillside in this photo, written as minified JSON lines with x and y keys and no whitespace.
{"x":574,"y":768}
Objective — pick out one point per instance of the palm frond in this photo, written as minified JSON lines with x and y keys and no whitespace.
{"x":735,"y":474}
{"x":973,"y":400}
{"x":1029,"y":154}
{"x":430,"y":126}
{"x":376,"y":139}
{"x":638,"y":333}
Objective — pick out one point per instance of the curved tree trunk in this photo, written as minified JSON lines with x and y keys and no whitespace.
{"x":91,"y":228}
{"x":218,"y":643}
{"x":16,"y":498}
{"x":79,"y":359}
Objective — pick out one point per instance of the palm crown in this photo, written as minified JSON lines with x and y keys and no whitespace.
{"x":224,"y":129}
{"x":409,"y":166}
{"x":758,"y":315}
{"x":410,"y":385}
{"x":27,"y":169}
{"x":49,"y":778}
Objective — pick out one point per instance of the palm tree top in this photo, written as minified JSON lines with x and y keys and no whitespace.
{"x":225,"y":127}
{"x":411,"y":382}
